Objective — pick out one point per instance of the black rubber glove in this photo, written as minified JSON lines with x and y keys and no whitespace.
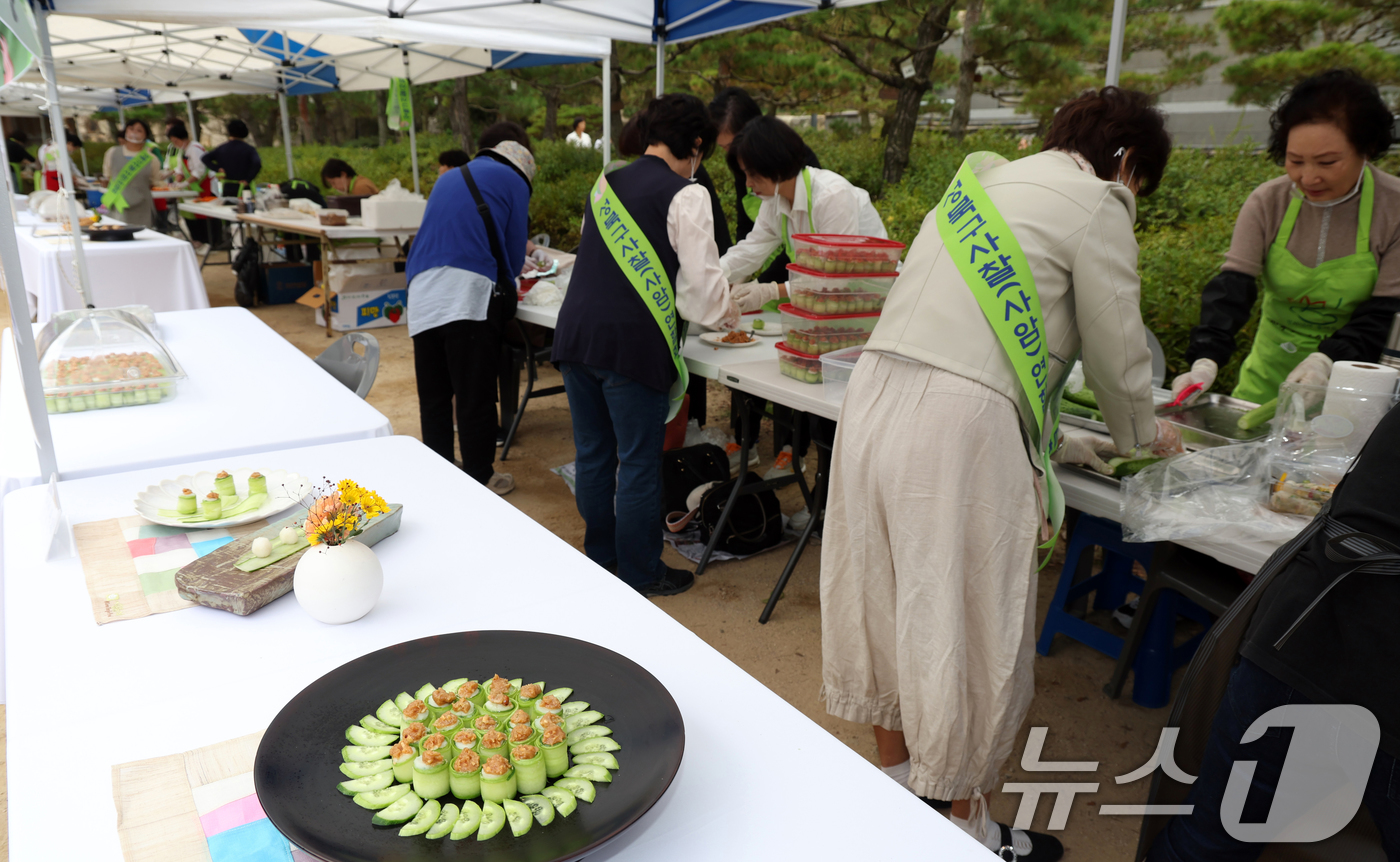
{"x":1226,"y":303}
{"x":1362,"y":338}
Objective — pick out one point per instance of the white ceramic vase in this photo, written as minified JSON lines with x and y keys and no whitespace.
{"x":338,"y":583}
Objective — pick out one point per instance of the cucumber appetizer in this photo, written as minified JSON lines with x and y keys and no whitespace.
{"x":471,"y":758}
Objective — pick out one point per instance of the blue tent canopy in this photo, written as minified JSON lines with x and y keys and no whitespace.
{"x":303,"y":79}
{"x":677,"y":20}
{"x":129,"y":97}
{"x":523,"y":60}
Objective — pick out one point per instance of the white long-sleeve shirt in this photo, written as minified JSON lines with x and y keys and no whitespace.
{"x":582,"y":140}
{"x":702,"y":290}
{"x":840,"y":208}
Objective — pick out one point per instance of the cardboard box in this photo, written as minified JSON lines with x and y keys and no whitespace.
{"x":284,"y":282}
{"x":368,"y":302}
{"x":378,"y":215}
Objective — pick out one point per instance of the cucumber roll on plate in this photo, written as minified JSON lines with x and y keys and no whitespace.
{"x":430,"y":778}
{"x":464,"y":776}
{"x":497,"y":780}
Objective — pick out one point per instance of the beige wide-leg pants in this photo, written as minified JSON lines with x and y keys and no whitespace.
{"x":927,"y":584}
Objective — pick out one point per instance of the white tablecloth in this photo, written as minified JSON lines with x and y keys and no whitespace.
{"x":823,"y":801}
{"x":153,"y":269}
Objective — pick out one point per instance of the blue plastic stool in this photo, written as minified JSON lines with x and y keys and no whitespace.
{"x":1110,"y":586}
{"x":1157,"y":659}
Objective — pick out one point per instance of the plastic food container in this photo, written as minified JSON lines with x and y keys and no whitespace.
{"x":821,"y":293}
{"x":103,"y":358}
{"x":816,"y":334}
{"x":799,"y":366}
{"x":841,"y":254}
{"x":333,"y":217}
{"x":836,"y":372}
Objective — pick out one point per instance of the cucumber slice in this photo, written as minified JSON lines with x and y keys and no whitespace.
{"x":467,"y":821}
{"x":587,"y":732}
{"x":601,"y":758}
{"x":422,"y":693}
{"x":400,"y":812}
{"x":561,"y":693}
{"x":541,"y":807}
{"x":493,"y":819}
{"x":581,"y":788}
{"x":591,"y":771}
{"x":579,"y":719}
{"x":572,"y":707}
{"x":453,"y":684}
{"x":374,"y":725}
{"x":376,"y":799}
{"x":589,"y":746}
{"x":366,"y":784}
{"x":422,"y":821}
{"x":515,"y":685}
{"x":444,"y":823}
{"x":363,"y":753}
{"x":519,"y":816}
{"x":402,"y":700}
{"x":365,"y":770}
{"x":359,"y":736}
{"x":390,"y":714}
{"x":564,"y":801}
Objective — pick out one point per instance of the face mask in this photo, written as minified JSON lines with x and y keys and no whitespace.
{"x":134,"y":137}
{"x":694,"y":163}
{"x":1119,"y":177}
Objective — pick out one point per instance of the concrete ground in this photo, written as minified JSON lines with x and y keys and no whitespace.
{"x":785,"y":654}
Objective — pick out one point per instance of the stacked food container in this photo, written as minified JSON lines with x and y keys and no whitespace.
{"x":836,"y":290}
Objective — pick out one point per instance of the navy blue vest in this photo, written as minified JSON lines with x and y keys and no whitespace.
{"x":603,"y":322}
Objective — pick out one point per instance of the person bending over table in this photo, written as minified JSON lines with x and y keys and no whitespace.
{"x":795,"y":199}
{"x":184,"y":164}
{"x":337,"y":174}
{"x":455,"y":314}
{"x":449,"y":160}
{"x":131,"y":167}
{"x":1321,"y":240}
{"x":646,"y":259}
{"x":236,"y":161}
{"x":939,"y":493}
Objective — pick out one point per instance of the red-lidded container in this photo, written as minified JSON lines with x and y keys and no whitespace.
{"x":815,"y":334}
{"x":825,"y":294}
{"x":799,"y":366}
{"x":840,"y":254}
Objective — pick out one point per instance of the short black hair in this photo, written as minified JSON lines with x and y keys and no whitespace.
{"x":237,"y":129}
{"x":137,"y":122}
{"x":732,"y":108}
{"x":1100,"y":124}
{"x":629,"y":140}
{"x":578,"y":120}
{"x":453,"y":158}
{"x":678,"y":120}
{"x":177,"y":129}
{"x":769,"y":148}
{"x":19,"y":136}
{"x":334,"y":168}
{"x":505,"y":130}
{"x":1340,"y":97}
{"x":73,"y":139}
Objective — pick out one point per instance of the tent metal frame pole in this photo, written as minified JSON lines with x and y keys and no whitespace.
{"x":189,"y":112}
{"x":607,"y":110}
{"x":412,"y":133}
{"x":1115,"y":43}
{"x":121,"y":113}
{"x":65,"y":165}
{"x":660,"y":63}
{"x":286,"y":131}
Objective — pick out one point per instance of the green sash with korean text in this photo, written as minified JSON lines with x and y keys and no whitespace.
{"x":992,"y":263}
{"x":113,"y":197}
{"x":634,"y":255}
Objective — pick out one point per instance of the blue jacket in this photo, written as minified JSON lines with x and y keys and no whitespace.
{"x":453,"y":233}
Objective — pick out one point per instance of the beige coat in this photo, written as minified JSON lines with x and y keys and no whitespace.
{"x":1077,"y":234}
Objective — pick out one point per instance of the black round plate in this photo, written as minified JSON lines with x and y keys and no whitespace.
{"x":118,"y":234}
{"x":298,"y":762}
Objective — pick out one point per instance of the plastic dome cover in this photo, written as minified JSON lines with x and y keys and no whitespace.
{"x":100,"y":358}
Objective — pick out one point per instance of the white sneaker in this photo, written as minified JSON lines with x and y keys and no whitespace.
{"x":798,"y":520}
{"x":501,"y":483}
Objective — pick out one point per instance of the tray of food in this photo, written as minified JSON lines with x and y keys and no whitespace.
{"x":1213,"y":420}
{"x":842,"y":253}
{"x":805,"y":367}
{"x":95,"y":359}
{"x":825,"y":294}
{"x":729,"y":339}
{"x":442,"y":748}
{"x":815,"y":334}
{"x":112,"y":232}
{"x":223,"y":499}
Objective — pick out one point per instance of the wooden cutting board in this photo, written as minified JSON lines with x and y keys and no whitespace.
{"x":214,"y":582}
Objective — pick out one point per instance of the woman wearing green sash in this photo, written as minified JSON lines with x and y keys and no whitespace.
{"x":130,"y":168}
{"x":940,"y":493}
{"x":1320,"y":241}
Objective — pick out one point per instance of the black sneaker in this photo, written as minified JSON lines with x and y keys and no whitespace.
{"x":673,"y":583}
{"x":1038,"y":846}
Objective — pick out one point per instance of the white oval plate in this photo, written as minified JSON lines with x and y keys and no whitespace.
{"x":771,"y":328}
{"x":285,"y":489}
{"x":713,"y":339}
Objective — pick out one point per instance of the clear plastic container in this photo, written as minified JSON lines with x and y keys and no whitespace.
{"x":799,"y":366}
{"x":103,"y":358}
{"x":816,"y":334}
{"x":836,"y":372}
{"x":841,"y":254}
{"x":821,"y":293}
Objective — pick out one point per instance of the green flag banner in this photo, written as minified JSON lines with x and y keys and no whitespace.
{"x":18,"y":41}
{"x":400,"y":108}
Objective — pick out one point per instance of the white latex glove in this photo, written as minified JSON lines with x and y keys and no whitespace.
{"x":541,"y":257}
{"x":1086,"y":449}
{"x":753,"y":295}
{"x":1315,"y":370}
{"x":1168,"y":440}
{"x":1202,"y":371}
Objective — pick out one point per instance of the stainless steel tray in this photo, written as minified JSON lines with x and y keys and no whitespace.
{"x":1211,"y":421}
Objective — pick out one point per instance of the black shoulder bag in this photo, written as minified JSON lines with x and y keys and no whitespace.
{"x":504,"y":298}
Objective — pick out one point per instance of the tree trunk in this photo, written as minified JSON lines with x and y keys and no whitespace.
{"x":553,"y":97}
{"x":381,"y":100}
{"x":304,"y":130}
{"x":967,"y":73}
{"x":865,"y":120}
{"x":461,"y":114}
{"x":616,"y":107}
{"x":899,"y":130}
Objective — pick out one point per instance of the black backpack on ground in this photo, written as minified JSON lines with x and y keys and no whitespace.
{"x":247,"y":267}
{"x":755,"y":524}
{"x":299,"y":188}
{"x":684,"y":470}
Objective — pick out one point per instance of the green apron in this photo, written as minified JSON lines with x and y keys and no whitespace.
{"x":1305,"y":305}
{"x":752,"y":204}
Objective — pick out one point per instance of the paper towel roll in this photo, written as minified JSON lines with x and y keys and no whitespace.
{"x":1361,"y":392}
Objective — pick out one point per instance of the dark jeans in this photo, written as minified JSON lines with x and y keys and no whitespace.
{"x":1201,"y":837}
{"x":616,"y":419}
{"x":460,"y":359}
